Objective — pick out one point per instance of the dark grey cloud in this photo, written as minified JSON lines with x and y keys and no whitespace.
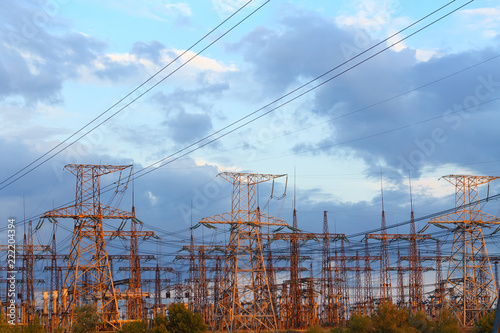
{"x":377,"y":127}
{"x":163,"y":198}
{"x":302,"y":47}
{"x":185,"y":127}
{"x":189,"y":112}
{"x":36,"y":56}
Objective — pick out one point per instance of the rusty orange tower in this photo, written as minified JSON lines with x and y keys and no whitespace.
{"x":385,"y":275}
{"x":470,"y":277}
{"x":245,"y":302}
{"x":134,"y":303}
{"x":89,"y":276}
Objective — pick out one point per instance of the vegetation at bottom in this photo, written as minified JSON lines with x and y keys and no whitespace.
{"x":178,"y":320}
{"x":387,"y":319}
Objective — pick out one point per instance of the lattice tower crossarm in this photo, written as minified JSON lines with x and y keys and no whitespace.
{"x":470,"y":277}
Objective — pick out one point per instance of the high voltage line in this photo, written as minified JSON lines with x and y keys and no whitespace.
{"x":143,"y":172}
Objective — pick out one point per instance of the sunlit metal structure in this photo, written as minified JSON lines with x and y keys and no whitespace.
{"x":89,"y":278}
{"x":245,"y":301}
{"x":471,"y":289}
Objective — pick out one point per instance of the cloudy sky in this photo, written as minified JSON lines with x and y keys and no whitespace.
{"x":331,"y":93}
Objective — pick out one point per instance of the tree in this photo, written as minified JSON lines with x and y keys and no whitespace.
{"x":420,"y":322}
{"x":85,"y":319}
{"x":182,"y":320}
{"x":134,"y":327}
{"x":34,"y":326}
{"x":4,"y":325}
{"x":485,"y":324}
{"x":389,"y":319}
{"x":447,"y":323}
{"x":360,"y":324}
{"x":160,"y":325}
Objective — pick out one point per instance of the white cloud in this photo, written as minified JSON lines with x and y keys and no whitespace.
{"x":178,"y":8}
{"x":486,"y":19}
{"x":373,"y":16}
{"x":152,"y":198}
{"x":225,"y":7}
{"x":128,"y":65}
{"x":425,"y":55}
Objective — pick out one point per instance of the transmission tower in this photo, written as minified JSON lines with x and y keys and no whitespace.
{"x":89,"y":278}
{"x":368,"y":295}
{"x":295,"y":291}
{"x":469,"y":273}
{"x":385,"y":275}
{"x":245,"y":302}
{"x":328,"y":299}
{"x":134,"y":303}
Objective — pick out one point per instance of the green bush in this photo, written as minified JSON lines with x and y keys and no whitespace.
{"x":360,"y":324}
{"x":447,"y":322}
{"x":85,"y":319}
{"x":134,"y":327}
{"x":315,"y":329}
{"x":420,"y":322}
{"x":389,"y":319}
{"x":179,"y":320}
{"x":485,"y":324}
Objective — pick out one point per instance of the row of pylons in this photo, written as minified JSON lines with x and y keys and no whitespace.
{"x":267,"y":276}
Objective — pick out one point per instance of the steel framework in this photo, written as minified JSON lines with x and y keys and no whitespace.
{"x":91,"y":281}
{"x":245,"y":301}
{"x":470,"y":276}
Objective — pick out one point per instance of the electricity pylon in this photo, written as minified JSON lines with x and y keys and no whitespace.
{"x":470,"y":277}
{"x":89,"y":277}
{"x":245,"y":301}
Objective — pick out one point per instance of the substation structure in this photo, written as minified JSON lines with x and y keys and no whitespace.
{"x":268,"y":276}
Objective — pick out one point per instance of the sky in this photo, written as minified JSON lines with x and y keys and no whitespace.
{"x":334,"y":94}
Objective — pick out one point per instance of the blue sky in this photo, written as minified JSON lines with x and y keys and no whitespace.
{"x":63,"y":63}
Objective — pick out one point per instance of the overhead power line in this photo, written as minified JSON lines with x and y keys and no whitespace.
{"x":159,"y":163}
{"x":126,"y":96}
{"x":156,"y":165}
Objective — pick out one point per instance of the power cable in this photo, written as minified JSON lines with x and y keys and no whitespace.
{"x":293,"y":91}
{"x":129,"y":94}
{"x":143,"y":171}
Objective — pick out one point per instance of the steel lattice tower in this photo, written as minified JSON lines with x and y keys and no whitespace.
{"x":294,"y":319}
{"x":328,"y":298}
{"x":385,"y":275}
{"x":134,"y":302}
{"x":415,"y":276}
{"x":440,"y":287}
{"x":343,"y":287}
{"x":358,"y":289}
{"x":401,"y":287}
{"x":89,"y":276}
{"x":369,"y":301}
{"x":469,"y":273}
{"x":245,"y":302}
